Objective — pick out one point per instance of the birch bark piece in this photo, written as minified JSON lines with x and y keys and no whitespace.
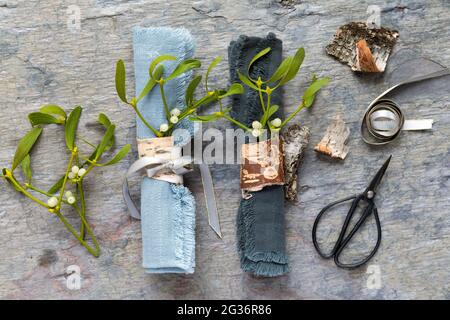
{"x":333,"y":144}
{"x":295,"y":140}
{"x":262,"y":164}
{"x":362,"y":48}
{"x":161,"y":148}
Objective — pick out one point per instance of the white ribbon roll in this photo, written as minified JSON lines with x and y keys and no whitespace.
{"x":383,"y":119}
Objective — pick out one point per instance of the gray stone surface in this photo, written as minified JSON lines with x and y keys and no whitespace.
{"x":42,"y":61}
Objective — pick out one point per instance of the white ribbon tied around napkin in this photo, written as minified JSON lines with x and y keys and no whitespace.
{"x":154,"y":165}
{"x":163,"y":161}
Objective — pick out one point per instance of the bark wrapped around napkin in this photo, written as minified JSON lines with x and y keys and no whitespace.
{"x":260,"y":219}
{"x":167,"y":209}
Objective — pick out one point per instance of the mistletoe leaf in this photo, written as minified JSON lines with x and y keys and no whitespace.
{"x":205,"y":118}
{"x":119,"y":156}
{"x":183,"y":67}
{"x":157,"y":61}
{"x":37,"y":118}
{"x":57,"y":186}
{"x":104,"y":143}
{"x":256,"y":57}
{"x":310,"y":93}
{"x":120,"y":80}
{"x":189,"y":97}
{"x":53,"y":109}
{"x":105,"y":122}
{"x":235,"y":88}
{"x":247,"y":81}
{"x":25,"y":145}
{"x":26,"y":167}
{"x":211,"y":66}
{"x":294,"y":66}
{"x":151,"y":82}
{"x":71,"y":127}
{"x":281,"y":70}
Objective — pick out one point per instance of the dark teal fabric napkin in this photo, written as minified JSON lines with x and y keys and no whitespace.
{"x":260,"y":219}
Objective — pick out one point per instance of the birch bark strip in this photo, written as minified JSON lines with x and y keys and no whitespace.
{"x":295,"y":139}
{"x":333,"y":144}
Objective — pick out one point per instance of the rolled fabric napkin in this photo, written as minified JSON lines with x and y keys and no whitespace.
{"x":260,"y":219}
{"x":167,"y":209}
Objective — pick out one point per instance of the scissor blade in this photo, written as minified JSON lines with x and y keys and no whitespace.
{"x":211,"y":207}
{"x":377,"y":179}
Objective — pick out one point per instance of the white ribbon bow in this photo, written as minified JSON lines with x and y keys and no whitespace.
{"x":153,"y":165}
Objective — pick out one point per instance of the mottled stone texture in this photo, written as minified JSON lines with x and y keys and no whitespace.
{"x":42,"y":61}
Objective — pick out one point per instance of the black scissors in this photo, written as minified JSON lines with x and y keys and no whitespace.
{"x":366,"y":197}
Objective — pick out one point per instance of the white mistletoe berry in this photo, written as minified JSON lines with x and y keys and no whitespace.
{"x":256,"y":132}
{"x":52,"y":202}
{"x":71,"y":200}
{"x":276,"y":122}
{"x":164,"y":127}
{"x":75,"y":169}
{"x":68,"y":194}
{"x":71,"y":175}
{"x":174,"y":119}
{"x":175,"y":112}
{"x":256,"y":125}
{"x":81,"y":172}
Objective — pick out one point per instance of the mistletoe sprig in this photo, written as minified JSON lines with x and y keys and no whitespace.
{"x":60,"y":195}
{"x":285,"y":72}
{"x":192,"y":105}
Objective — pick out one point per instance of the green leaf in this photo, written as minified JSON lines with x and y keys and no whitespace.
{"x":205,"y":118}
{"x":211,"y":66}
{"x":120,"y":81}
{"x":157,"y":61}
{"x":158,"y":72}
{"x":273,"y":108}
{"x":104,"y":143}
{"x":294,"y":66}
{"x":189,"y":97}
{"x":206,"y":100}
{"x":148,"y":87}
{"x":71,"y":127}
{"x":246,"y":81}
{"x":26,"y":167}
{"x":57,"y":186}
{"x":281,"y":70}
{"x":104,"y":120}
{"x":25,"y":145}
{"x":151,"y":82}
{"x":256,"y":57}
{"x":235,"y":88}
{"x":53,"y":109}
{"x":37,"y":118}
{"x":183,"y":67}
{"x":310,"y":93}
{"x":119,"y":156}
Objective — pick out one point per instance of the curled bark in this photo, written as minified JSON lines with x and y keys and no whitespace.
{"x":362,"y":48}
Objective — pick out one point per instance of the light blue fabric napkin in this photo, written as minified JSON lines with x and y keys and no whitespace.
{"x":167,"y":210}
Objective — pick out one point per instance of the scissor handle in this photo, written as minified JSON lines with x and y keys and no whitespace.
{"x":341,"y":235}
{"x":344,"y":242}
